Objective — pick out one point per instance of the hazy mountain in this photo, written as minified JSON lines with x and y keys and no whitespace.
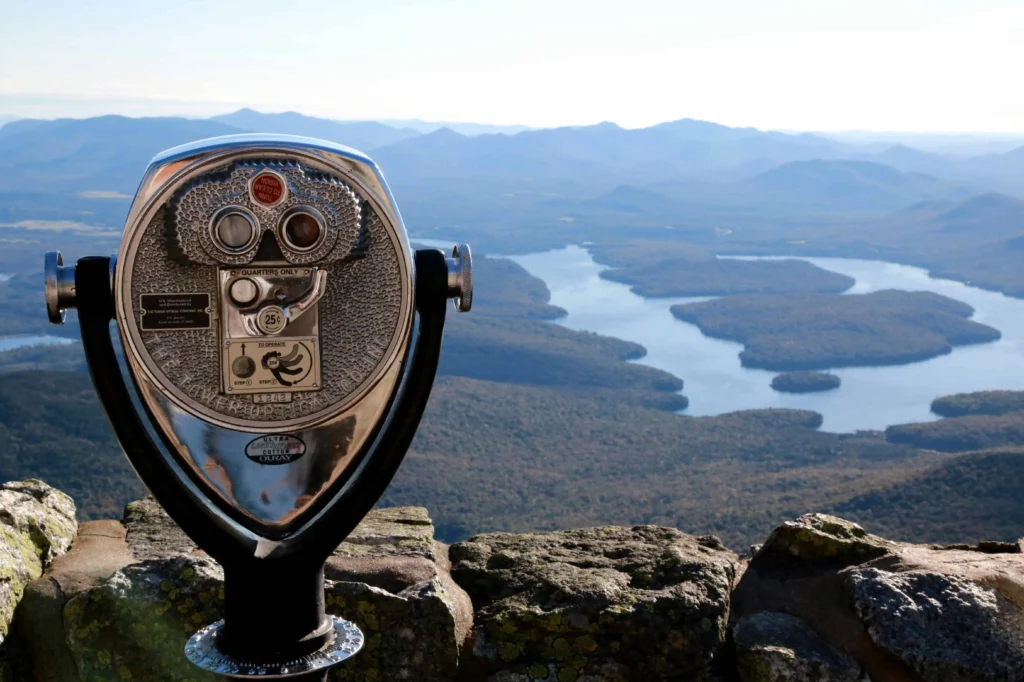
{"x":103,"y":153}
{"x":1003,"y":171}
{"x":995,"y":214}
{"x":361,"y":135}
{"x":1009,"y":166}
{"x":599,"y":157}
{"x":949,"y":144}
{"x":909,"y":159}
{"x":633,"y":200}
{"x":850,"y":185}
{"x":7,"y":118}
{"x":753,"y":147}
{"x":468,"y":129}
{"x":445,"y":157}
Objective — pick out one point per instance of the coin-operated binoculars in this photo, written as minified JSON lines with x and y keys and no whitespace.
{"x":280,"y":341}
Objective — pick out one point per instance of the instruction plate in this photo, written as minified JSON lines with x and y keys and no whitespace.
{"x":271,"y":365}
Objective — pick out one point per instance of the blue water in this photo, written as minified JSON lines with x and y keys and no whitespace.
{"x":869,"y":398}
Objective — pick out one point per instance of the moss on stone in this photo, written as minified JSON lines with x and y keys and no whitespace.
{"x":37,"y":524}
{"x":820,"y":538}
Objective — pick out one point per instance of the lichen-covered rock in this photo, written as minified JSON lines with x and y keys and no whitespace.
{"x":820,"y":539}
{"x":128,"y":596}
{"x":134,"y":625}
{"x":595,"y":604}
{"x":409,"y":636}
{"x":37,"y":524}
{"x":777,"y":647}
{"x":946,"y":628}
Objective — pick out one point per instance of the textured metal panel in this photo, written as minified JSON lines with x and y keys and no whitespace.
{"x":362,"y":323}
{"x":193,"y":207}
{"x":361,"y":314}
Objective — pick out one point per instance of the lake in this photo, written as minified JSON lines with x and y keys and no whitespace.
{"x":869,"y":398}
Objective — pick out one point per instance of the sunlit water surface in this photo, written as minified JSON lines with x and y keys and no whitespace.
{"x":869,"y":398}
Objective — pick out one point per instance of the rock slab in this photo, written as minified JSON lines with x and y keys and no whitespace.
{"x":595,"y":604}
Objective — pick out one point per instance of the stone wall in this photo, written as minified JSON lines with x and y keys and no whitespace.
{"x":821,"y":600}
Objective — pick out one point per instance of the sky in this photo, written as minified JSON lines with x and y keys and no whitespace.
{"x":823,"y":65}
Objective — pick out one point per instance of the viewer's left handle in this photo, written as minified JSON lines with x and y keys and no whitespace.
{"x":61,"y":293}
{"x":60,"y":286}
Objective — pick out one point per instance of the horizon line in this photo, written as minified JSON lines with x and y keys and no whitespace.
{"x":387,"y":120}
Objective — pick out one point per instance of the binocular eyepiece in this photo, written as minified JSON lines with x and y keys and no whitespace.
{"x":280,"y":338}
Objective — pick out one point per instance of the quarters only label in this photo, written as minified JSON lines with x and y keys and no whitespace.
{"x":277,"y":449}
{"x":165,"y":312}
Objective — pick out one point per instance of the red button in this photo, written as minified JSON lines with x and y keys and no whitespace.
{"x":267,"y":189}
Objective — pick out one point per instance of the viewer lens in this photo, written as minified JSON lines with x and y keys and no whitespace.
{"x":302,"y":231}
{"x":235,"y":231}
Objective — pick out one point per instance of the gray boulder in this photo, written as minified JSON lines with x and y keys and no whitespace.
{"x":904,"y":612}
{"x":128,"y":596}
{"x":37,"y":525}
{"x":595,"y":604}
{"x":947,"y":628}
{"x":777,"y":647}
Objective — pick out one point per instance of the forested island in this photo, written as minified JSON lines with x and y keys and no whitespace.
{"x":665,"y":269}
{"x":972,"y":421}
{"x":980,"y":402}
{"x":805,"y":382}
{"x":788,"y":332}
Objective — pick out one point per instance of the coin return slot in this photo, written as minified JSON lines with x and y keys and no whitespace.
{"x":244,"y":292}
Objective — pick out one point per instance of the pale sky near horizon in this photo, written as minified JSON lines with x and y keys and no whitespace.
{"x":893,"y":65}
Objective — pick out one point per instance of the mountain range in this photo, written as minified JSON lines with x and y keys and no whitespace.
{"x":727,"y":189}
{"x":108,"y":152}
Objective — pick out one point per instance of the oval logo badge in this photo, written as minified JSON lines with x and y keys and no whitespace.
{"x":275,"y":449}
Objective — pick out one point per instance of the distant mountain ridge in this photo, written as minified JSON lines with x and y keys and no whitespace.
{"x":468,"y":129}
{"x":661,"y":173}
{"x":850,"y":185}
{"x":106,"y":153}
{"x":361,"y":135}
